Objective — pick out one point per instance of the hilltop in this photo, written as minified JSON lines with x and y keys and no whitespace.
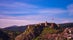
{"x":41,"y":31}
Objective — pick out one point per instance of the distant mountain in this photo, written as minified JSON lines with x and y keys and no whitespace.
{"x":13,"y":31}
{"x":22,"y":28}
{"x":65,"y":25}
{"x":16,"y":28}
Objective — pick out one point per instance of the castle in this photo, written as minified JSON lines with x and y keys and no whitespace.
{"x":52,"y":25}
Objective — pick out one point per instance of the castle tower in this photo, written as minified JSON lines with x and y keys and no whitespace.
{"x":46,"y":23}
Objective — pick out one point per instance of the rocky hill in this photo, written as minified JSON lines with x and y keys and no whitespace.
{"x":41,"y":31}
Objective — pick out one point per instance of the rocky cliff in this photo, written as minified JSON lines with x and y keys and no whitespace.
{"x":38,"y":30}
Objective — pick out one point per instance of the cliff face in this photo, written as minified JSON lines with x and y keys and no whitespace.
{"x":34,"y":31}
{"x":30,"y":33}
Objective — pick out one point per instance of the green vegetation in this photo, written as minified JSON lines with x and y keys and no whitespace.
{"x":46,"y":31}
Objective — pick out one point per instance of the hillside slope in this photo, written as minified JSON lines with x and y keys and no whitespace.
{"x":34,"y":31}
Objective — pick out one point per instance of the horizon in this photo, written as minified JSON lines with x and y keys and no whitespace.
{"x":22,"y":12}
{"x":32,"y":24}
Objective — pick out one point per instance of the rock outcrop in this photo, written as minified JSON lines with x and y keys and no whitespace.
{"x":33,"y":31}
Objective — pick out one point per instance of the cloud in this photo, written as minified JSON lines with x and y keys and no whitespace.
{"x":52,"y":11}
{"x":11,"y":22}
{"x":17,"y":5}
{"x":17,"y":8}
{"x":24,"y":8}
{"x":28,"y":17}
{"x":70,"y":9}
{"x":63,"y":20}
{"x":38,"y":11}
{"x":43,"y":14}
{"x":6,"y":21}
{"x":15,"y":12}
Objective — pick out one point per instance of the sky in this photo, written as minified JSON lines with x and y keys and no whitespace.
{"x":23,"y":12}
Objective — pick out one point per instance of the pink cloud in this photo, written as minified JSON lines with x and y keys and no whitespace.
{"x":6,"y":21}
{"x":10,"y":22}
